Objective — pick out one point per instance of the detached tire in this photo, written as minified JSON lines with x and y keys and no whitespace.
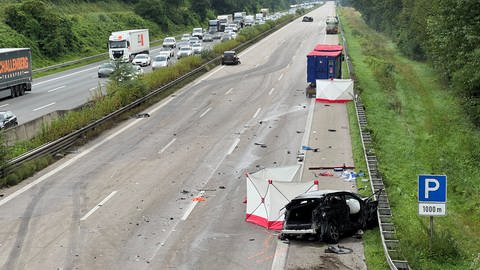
{"x":332,"y":235}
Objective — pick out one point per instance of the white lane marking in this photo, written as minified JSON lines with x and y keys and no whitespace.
{"x":306,"y":133}
{"x":55,"y":89}
{"x":280,"y":257}
{"x":168,"y":145}
{"x":98,"y":206}
{"x":65,"y":76}
{"x":229,"y":91}
{"x":161,"y":105}
{"x":192,"y":205}
{"x":288,"y":65}
{"x":234,"y":145}
{"x":208,"y":75}
{"x":256,"y":113}
{"x":205,"y":112}
{"x":4,"y":105}
{"x":271,"y":91}
{"x":281,"y":76}
{"x":173,"y":229}
{"x":75,"y":158}
{"x":43,"y":107}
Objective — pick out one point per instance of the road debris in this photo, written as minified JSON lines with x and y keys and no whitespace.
{"x":142,"y":115}
{"x":338,"y":250}
{"x":308,"y":148}
{"x":332,"y":130}
{"x":261,"y":145}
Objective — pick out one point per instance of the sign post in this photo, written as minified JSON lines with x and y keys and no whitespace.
{"x":432,"y":197}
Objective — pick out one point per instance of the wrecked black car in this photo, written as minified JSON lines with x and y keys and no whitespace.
{"x":328,"y":214}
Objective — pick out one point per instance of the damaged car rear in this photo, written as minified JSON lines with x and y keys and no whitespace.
{"x":328,"y":215}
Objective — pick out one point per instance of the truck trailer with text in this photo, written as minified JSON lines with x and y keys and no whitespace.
{"x":15,"y":72}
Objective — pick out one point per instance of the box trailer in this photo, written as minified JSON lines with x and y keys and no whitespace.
{"x":15,"y":71}
{"x":324,"y":62}
{"x":124,"y":45}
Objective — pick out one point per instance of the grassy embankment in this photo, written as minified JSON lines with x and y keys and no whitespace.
{"x":418,"y":127}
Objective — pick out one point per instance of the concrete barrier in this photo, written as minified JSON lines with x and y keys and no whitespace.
{"x":30,"y":129}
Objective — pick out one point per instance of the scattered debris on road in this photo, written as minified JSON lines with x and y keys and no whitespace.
{"x":308,"y":148}
{"x":142,"y":115}
{"x":338,"y":250}
{"x":261,"y":145}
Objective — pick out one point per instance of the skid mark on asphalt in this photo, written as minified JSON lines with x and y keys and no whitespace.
{"x":22,"y":232}
{"x":264,"y":255}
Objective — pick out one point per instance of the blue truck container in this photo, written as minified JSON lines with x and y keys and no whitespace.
{"x":323,"y":63}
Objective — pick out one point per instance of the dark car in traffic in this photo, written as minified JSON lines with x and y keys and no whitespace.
{"x":328,"y":214}
{"x":230,"y":58}
{"x":7,"y":120}
{"x":106,"y":69}
{"x":307,"y":19}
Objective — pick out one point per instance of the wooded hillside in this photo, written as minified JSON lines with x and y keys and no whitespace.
{"x":61,"y":30}
{"x":444,"y":32}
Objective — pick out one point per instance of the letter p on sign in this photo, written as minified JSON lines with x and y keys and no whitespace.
{"x":432,"y":188}
{"x":431,"y":185}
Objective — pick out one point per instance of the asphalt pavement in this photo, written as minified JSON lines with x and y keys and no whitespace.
{"x":167,"y":191}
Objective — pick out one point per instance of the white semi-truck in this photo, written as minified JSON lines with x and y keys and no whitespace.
{"x":124,"y":45}
{"x":239,"y":17}
{"x":223,"y":21}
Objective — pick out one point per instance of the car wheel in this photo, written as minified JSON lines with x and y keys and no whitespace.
{"x":332,"y":235}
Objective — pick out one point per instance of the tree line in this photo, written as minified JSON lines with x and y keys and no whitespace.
{"x":443,"y":32}
{"x":53,"y":32}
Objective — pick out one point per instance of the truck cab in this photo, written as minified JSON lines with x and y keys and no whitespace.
{"x":124,"y":45}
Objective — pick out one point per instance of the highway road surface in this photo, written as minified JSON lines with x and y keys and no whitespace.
{"x":64,"y":90}
{"x":167,"y":191}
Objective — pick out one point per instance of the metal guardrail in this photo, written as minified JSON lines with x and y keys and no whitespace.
{"x":69,"y":139}
{"x":390,"y":242}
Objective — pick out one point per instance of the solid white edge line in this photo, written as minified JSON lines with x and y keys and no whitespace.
{"x":4,"y":105}
{"x":192,"y":206}
{"x":98,"y":206}
{"x":280,"y":256}
{"x":82,"y":154}
{"x":234,"y":145}
{"x":256,"y":113}
{"x":161,"y":105}
{"x":205,"y":112}
{"x":168,"y":145}
{"x":306,"y":133}
{"x":271,"y":91}
{"x":43,"y":107}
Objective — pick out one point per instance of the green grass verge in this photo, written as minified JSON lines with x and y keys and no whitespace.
{"x":418,"y":127}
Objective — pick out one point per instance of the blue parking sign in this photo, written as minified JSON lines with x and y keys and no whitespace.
{"x":432,"y":188}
